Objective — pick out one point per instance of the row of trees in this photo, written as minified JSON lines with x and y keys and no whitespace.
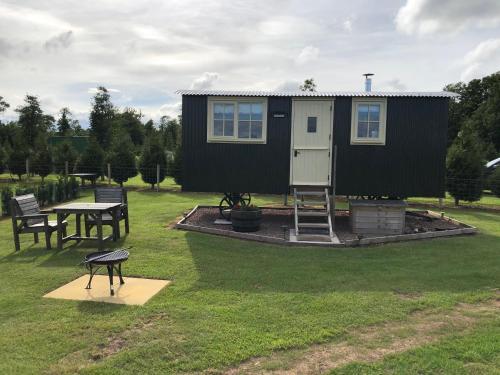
{"x":474,"y":137}
{"x":118,"y":137}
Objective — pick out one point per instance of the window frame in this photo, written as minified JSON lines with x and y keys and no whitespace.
{"x":380,"y":140}
{"x":212,"y":100}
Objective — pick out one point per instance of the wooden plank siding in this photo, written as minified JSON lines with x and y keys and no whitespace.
{"x":411,"y":163}
{"x":235,"y":167}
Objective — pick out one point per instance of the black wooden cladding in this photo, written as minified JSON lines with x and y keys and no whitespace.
{"x":411,"y":163}
{"x":235,"y":167}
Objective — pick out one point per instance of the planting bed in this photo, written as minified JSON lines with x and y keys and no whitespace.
{"x":418,"y":225}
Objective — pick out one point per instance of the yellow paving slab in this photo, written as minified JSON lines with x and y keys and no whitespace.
{"x":135,"y":291}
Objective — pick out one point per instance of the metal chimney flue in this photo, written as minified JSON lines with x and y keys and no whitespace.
{"x":368,"y":81}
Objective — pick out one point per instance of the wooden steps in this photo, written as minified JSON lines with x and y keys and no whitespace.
{"x":312,"y":224}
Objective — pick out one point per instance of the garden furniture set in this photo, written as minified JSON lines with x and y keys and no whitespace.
{"x":110,"y":207}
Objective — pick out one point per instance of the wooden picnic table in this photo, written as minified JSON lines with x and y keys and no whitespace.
{"x":96,"y":211}
{"x":92,"y":177}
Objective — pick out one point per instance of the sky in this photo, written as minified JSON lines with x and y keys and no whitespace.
{"x":143,"y":51}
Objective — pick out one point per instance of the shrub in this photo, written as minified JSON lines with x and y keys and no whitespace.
{"x":17,"y":162}
{"x":92,"y":159}
{"x":152,"y":155}
{"x":63,"y":153}
{"x":6,"y":195}
{"x":494,"y":182}
{"x":122,"y":160}
{"x":42,"y":162}
{"x":175,"y":169}
{"x":464,"y":165}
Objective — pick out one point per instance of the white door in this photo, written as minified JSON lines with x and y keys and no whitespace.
{"x":311,"y":142}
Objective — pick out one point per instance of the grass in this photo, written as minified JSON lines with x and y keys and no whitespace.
{"x":231,"y":300}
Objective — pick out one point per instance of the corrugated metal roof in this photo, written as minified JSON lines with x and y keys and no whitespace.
{"x":435,"y":94}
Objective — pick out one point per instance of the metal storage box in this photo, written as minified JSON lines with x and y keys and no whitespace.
{"x":377,"y":216}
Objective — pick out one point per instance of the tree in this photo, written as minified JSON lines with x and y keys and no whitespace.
{"x":495,"y":182}
{"x":16,"y":160}
{"x":130,"y":122}
{"x":170,"y":131}
{"x":309,"y":85}
{"x":92,"y":159}
{"x":63,"y":153}
{"x":149,"y":128}
{"x":66,"y":125}
{"x":42,"y":161}
{"x":3,"y":156}
{"x":101,"y":117}
{"x":32,"y":120}
{"x":464,"y":164}
{"x":122,"y":160}
{"x":152,"y":155}
{"x":3,"y":104}
{"x":175,"y":169}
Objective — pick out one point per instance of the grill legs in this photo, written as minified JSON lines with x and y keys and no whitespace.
{"x":110,"y":269}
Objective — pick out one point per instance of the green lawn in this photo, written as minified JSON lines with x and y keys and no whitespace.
{"x":231,"y":300}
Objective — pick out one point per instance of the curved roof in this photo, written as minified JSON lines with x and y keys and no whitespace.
{"x":425,"y":94}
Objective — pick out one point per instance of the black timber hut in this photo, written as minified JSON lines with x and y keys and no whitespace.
{"x":387,"y":143}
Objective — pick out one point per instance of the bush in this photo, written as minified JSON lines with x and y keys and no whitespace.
{"x":494,"y":182}
{"x":92,"y":159}
{"x":42,"y":162}
{"x":175,"y":169}
{"x":5,"y":198}
{"x":63,"y":153}
{"x":17,"y":161}
{"x":464,"y":165}
{"x":152,"y":155}
{"x":122,"y":160}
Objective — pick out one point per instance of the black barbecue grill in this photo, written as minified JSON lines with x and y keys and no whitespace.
{"x":111,"y":259}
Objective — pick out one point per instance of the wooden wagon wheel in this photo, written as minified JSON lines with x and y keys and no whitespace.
{"x":245,"y":199}
{"x":225,"y":206}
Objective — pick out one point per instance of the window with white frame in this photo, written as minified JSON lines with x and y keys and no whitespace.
{"x":237,"y":120}
{"x":368,"y":121}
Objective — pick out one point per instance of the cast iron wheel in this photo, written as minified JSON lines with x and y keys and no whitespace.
{"x":232,"y":199}
{"x":225,"y":206}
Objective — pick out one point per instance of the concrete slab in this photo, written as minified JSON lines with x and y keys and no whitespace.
{"x":135,"y":291}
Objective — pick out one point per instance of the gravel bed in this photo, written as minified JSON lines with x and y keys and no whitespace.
{"x":273,"y":220}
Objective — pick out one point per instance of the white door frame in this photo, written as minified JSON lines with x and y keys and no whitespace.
{"x":292,"y":121}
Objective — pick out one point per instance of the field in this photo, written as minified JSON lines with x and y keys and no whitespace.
{"x":242,"y":307}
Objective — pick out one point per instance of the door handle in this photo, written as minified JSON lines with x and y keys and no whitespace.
{"x":296,"y":152}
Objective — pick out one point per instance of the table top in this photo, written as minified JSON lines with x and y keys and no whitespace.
{"x":87,"y":207}
{"x":83,"y":174}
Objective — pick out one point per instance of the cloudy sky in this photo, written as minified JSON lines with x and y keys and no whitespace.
{"x":142,"y":51}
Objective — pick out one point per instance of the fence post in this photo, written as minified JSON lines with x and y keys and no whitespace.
{"x":66,"y":171}
{"x":157,"y":177}
{"x":27,"y":169}
{"x":109,"y":174}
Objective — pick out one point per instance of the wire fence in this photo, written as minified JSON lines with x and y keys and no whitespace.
{"x":33,"y":173}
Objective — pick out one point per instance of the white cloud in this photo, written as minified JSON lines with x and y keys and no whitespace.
{"x":205,"y":81}
{"x":32,"y":16}
{"x":308,"y":54}
{"x":482,"y":60}
{"x":288,"y":86}
{"x":449,"y":16}
{"x":347,"y":25}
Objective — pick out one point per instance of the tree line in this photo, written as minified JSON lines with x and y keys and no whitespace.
{"x":116,"y":136}
{"x":473,"y":138}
